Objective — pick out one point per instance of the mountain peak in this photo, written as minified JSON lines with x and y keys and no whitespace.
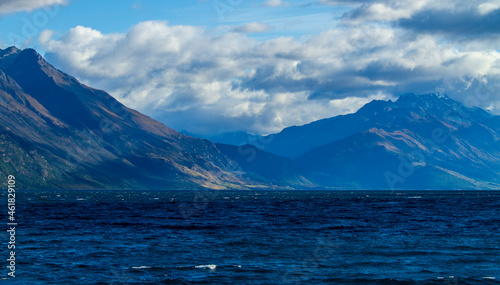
{"x":374,"y":108}
{"x":31,"y":56}
{"x":8,"y":56}
{"x":408,"y":100}
{"x":13,"y":58}
{"x":411,"y":97}
{"x":8,"y":51}
{"x":426,"y":101}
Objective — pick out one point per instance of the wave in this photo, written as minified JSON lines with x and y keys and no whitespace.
{"x":208,"y":266}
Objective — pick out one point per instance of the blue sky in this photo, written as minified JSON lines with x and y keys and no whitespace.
{"x":217,"y":66}
{"x":293,"y":18}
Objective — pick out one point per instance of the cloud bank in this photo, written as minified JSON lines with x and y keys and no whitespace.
{"x":194,"y":79}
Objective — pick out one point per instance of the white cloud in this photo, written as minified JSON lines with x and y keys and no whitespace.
{"x":205,"y":82}
{"x":11,"y":6}
{"x":489,"y":6}
{"x":45,"y":36}
{"x":254,"y":27}
{"x":275,"y":3}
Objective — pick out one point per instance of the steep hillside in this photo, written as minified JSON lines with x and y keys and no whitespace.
{"x":58,"y":133}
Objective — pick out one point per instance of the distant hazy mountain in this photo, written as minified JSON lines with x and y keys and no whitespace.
{"x":266,"y":167}
{"x":231,"y":138}
{"x":58,"y":133}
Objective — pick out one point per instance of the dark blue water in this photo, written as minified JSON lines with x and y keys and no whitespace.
{"x":256,"y":237}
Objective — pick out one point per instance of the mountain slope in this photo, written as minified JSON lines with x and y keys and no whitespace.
{"x":297,"y":140}
{"x":58,"y":133}
{"x":417,"y":142}
{"x":266,"y":167}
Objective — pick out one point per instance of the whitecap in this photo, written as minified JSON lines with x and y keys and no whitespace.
{"x":141,"y":267}
{"x":209,"y":266}
{"x":491,"y":278}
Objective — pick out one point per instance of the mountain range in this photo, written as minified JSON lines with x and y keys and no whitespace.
{"x":57,"y":133}
{"x":418,"y":142}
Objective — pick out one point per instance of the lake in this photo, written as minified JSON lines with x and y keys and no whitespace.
{"x":256,"y":237}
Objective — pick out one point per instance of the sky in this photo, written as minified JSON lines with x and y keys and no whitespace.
{"x":216,"y":66}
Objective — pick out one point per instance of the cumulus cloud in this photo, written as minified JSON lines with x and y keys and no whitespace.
{"x":191,"y":78}
{"x":11,"y":6}
{"x":275,"y":3}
